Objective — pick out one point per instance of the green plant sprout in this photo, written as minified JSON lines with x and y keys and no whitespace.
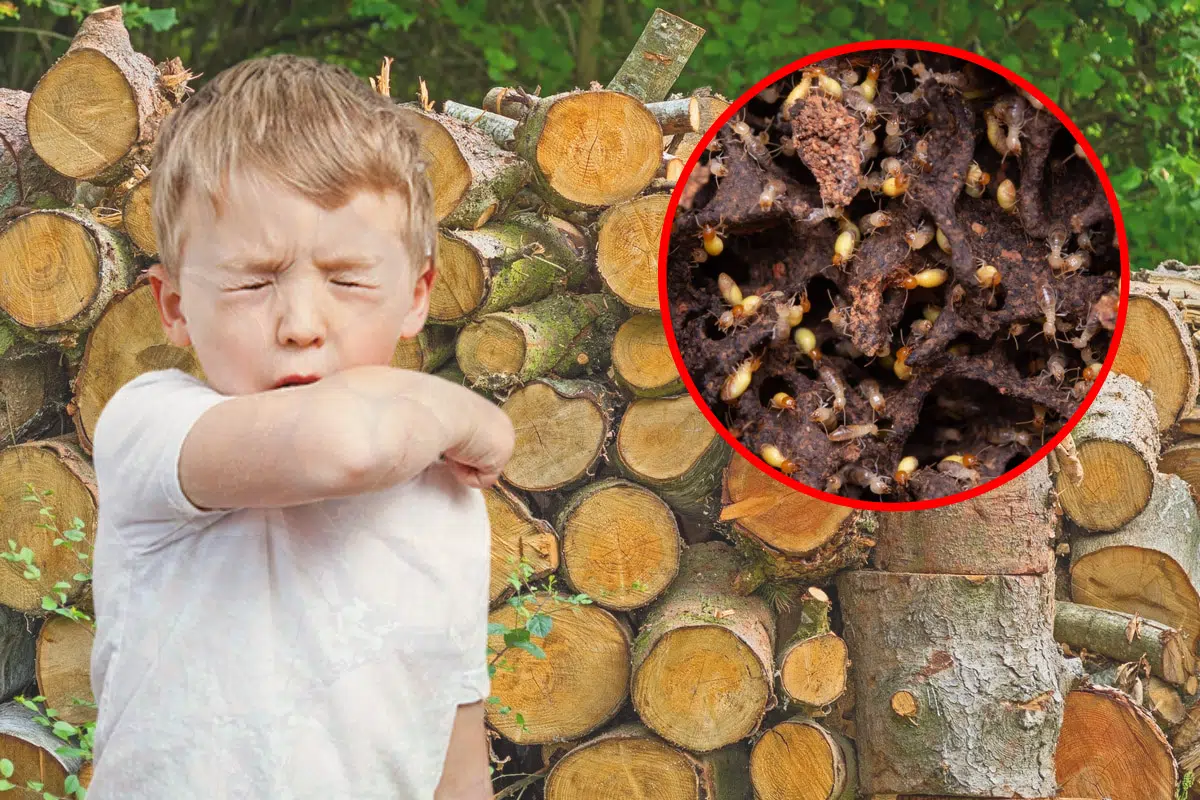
{"x":1185,"y":785}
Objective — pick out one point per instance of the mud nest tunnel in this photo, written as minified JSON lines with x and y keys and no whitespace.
{"x":893,"y":275}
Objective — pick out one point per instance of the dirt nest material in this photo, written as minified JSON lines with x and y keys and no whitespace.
{"x":918,"y":264}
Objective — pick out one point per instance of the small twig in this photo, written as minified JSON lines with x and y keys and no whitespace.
{"x":521,"y":785}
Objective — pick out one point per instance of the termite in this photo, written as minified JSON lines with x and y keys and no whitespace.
{"x":901,"y":368}
{"x":987,"y":275}
{"x":754,"y":148}
{"x":1091,"y":371}
{"x":904,"y":470}
{"x":736,"y":384}
{"x":875,"y":220}
{"x":770,"y":193}
{"x":1010,"y":435}
{"x":968,"y":460}
{"x":718,"y":168}
{"x":976,"y":180}
{"x":773,"y":456}
{"x":806,"y":341}
{"x":789,"y":315}
{"x":919,"y":236}
{"x":711,"y":234}
{"x":1056,"y":241}
{"x":1006,"y":194}
{"x":827,"y":84}
{"x":958,"y":471}
{"x":1056,"y":368}
{"x":824,"y":416}
{"x":921,"y":328}
{"x":799,"y":92}
{"x":699,"y":255}
{"x":833,"y":485}
{"x":729,"y":289}
{"x":896,"y":183}
{"x":870,"y":84}
{"x":782,"y":401}
{"x":837,"y":317}
{"x":1077,"y":261}
{"x":995,"y":132}
{"x":836,"y":385}
{"x":943,"y":243}
{"x":870,"y":390}
{"x":1048,"y":303}
{"x":864,"y":477}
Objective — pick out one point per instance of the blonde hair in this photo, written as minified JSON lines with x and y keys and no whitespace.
{"x":316,"y":128}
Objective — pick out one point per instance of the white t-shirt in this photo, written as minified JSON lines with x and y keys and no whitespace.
{"x":312,"y":651}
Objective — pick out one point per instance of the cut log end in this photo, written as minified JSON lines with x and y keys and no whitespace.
{"x":627,"y":250}
{"x":558,"y":437}
{"x":800,"y":760}
{"x":50,"y":268}
{"x":642,"y":360}
{"x":813,"y":671}
{"x":1156,"y":351}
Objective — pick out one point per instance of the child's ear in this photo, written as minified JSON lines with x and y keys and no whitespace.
{"x":414,"y":321}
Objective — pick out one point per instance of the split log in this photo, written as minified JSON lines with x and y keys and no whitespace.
{"x":59,"y":269}
{"x":103,"y":93}
{"x":1004,"y":532}
{"x":784,"y":535}
{"x":565,"y":334}
{"x":425,"y":352}
{"x":1106,"y":632}
{"x":472,"y":176}
{"x":703,"y":658}
{"x":514,"y":262}
{"x":562,"y":427}
{"x":17,"y":655}
{"x":1177,"y":282}
{"x":56,"y":464}
{"x":31,"y":747}
{"x":64,"y":653}
{"x":627,"y":249}
{"x":579,"y":685}
{"x":25,"y":178}
{"x":712,"y":106}
{"x":801,"y":760}
{"x":1185,"y":740}
{"x":1109,"y":747}
{"x":517,"y":536}
{"x":668,"y":445}
{"x":1117,"y":443}
{"x":620,"y":544}
{"x":1183,"y":459}
{"x":127,"y":340}
{"x":1150,"y":566}
{"x":137,"y":219}
{"x":657,"y":58}
{"x":588,"y":148}
{"x":631,"y":761}
{"x":641,"y":358}
{"x":813,"y":662}
{"x":33,"y":391}
{"x":1156,"y":350}
{"x":949,"y":671}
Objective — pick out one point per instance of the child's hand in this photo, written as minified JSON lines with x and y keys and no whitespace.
{"x":479,"y":458}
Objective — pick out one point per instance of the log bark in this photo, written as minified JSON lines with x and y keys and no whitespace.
{"x":498,"y":127}
{"x":788,"y":536}
{"x":629,"y":760}
{"x":1150,"y":566}
{"x":473,"y":178}
{"x":1179,"y":283}
{"x":1110,"y":747}
{"x":30,"y":746}
{"x":562,"y":428}
{"x":56,"y":464}
{"x":25,"y":178}
{"x":578,"y":686}
{"x":64,"y":653}
{"x":564,"y":334}
{"x":959,"y":683}
{"x":703,"y":659}
{"x":641,"y":358}
{"x":427,"y":351}
{"x":517,"y":536}
{"x":627,"y":250}
{"x":620,"y":544}
{"x":1004,"y":532}
{"x":658,"y":57}
{"x":678,"y":116}
{"x":1117,"y":444}
{"x":1156,"y":350}
{"x":801,"y":760}
{"x":813,"y":663}
{"x":712,"y":106}
{"x":1183,"y":459}
{"x":33,"y":390}
{"x":1106,"y":632}
{"x":119,"y":114}
{"x":668,"y":445}
{"x":17,"y":653}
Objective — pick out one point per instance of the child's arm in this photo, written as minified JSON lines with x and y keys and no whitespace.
{"x":355,"y":431}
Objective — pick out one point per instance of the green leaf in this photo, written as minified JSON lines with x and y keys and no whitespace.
{"x":496,"y":629}
{"x":840,"y":17}
{"x":897,"y":14}
{"x":531,"y":648}
{"x":6,"y":767}
{"x":5,"y":785}
{"x":64,"y":729}
{"x":1086,"y":81}
{"x":1128,"y":180}
{"x":1190,"y":167}
{"x":48,"y":604}
{"x":539,"y":625}
{"x":515,"y":636}
{"x":71,"y":784}
{"x":1141,"y":10}
{"x":1051,"y":17}
{"x":1013,"y":62}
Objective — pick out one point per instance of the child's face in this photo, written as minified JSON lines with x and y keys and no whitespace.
{"x":302,"y":319}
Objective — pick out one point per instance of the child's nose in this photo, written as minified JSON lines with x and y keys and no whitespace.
{"x":301,"y":322}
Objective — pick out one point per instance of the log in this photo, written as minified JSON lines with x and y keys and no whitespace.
{"x":801,"y":760}
{"x":668,"y":445}
{"x":472,"y":176}
{"x":1156,"y":351}
{"x":102,"y":93}
{"x":631,"y":761}
{"x":25,"y":178}
{"x":641,"y":358}
{"x":703,"y":659}
{"x":564,"y":334}
{"x":64,"y":653}
{"x":1150,"y":566}
{"x":681,"y":115}
{"x":59,"y":269}
{"x":712,"y":106}
{"x":1109,"y":747}
{"x":784,"y":535}
{"x":657,"y":58}
{"x":1179,"y":283}
{"x":620,"y":544}
{"x":1183,"y":459}
{"x":517,"y":536}
{"x":579,"y":685}
{"x":1004,"y":532}
{"x":562,"y":427}
{"x":427,"y":351}
{"x":31,"y":747}
{"x":59,"y":465}
{"x":513,"y":262}
{"x":127,"y":340}
{"x":137,"y":218}
{"x":813,"y":662}
{"x":627,"y":250}
{"x":950,"y":671}
{"x":33,"y":390}
{"x":17,"y":653}
{"x":588,"y":148}
{"x":1106,"y":632}
{"x":1117,"y":444}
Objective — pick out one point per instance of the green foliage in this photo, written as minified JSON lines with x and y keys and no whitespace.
{"x":1185,"y":785}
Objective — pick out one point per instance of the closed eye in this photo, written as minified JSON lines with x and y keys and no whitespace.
{"x":252,"y":286}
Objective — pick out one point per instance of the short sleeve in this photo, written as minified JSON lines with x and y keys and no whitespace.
{"x":135,"y":451}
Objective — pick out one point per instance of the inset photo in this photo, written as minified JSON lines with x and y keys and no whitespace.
{"x":895,"y":275}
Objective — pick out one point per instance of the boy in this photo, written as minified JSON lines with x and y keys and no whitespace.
{"x":291,"y":570}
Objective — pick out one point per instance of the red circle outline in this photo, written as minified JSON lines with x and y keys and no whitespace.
{"x":665,"y":242}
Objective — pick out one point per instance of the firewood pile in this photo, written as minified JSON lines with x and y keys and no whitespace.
{"x":743,"y":639}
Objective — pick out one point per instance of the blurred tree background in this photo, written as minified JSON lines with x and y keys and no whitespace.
{"x":1126,"y":71}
